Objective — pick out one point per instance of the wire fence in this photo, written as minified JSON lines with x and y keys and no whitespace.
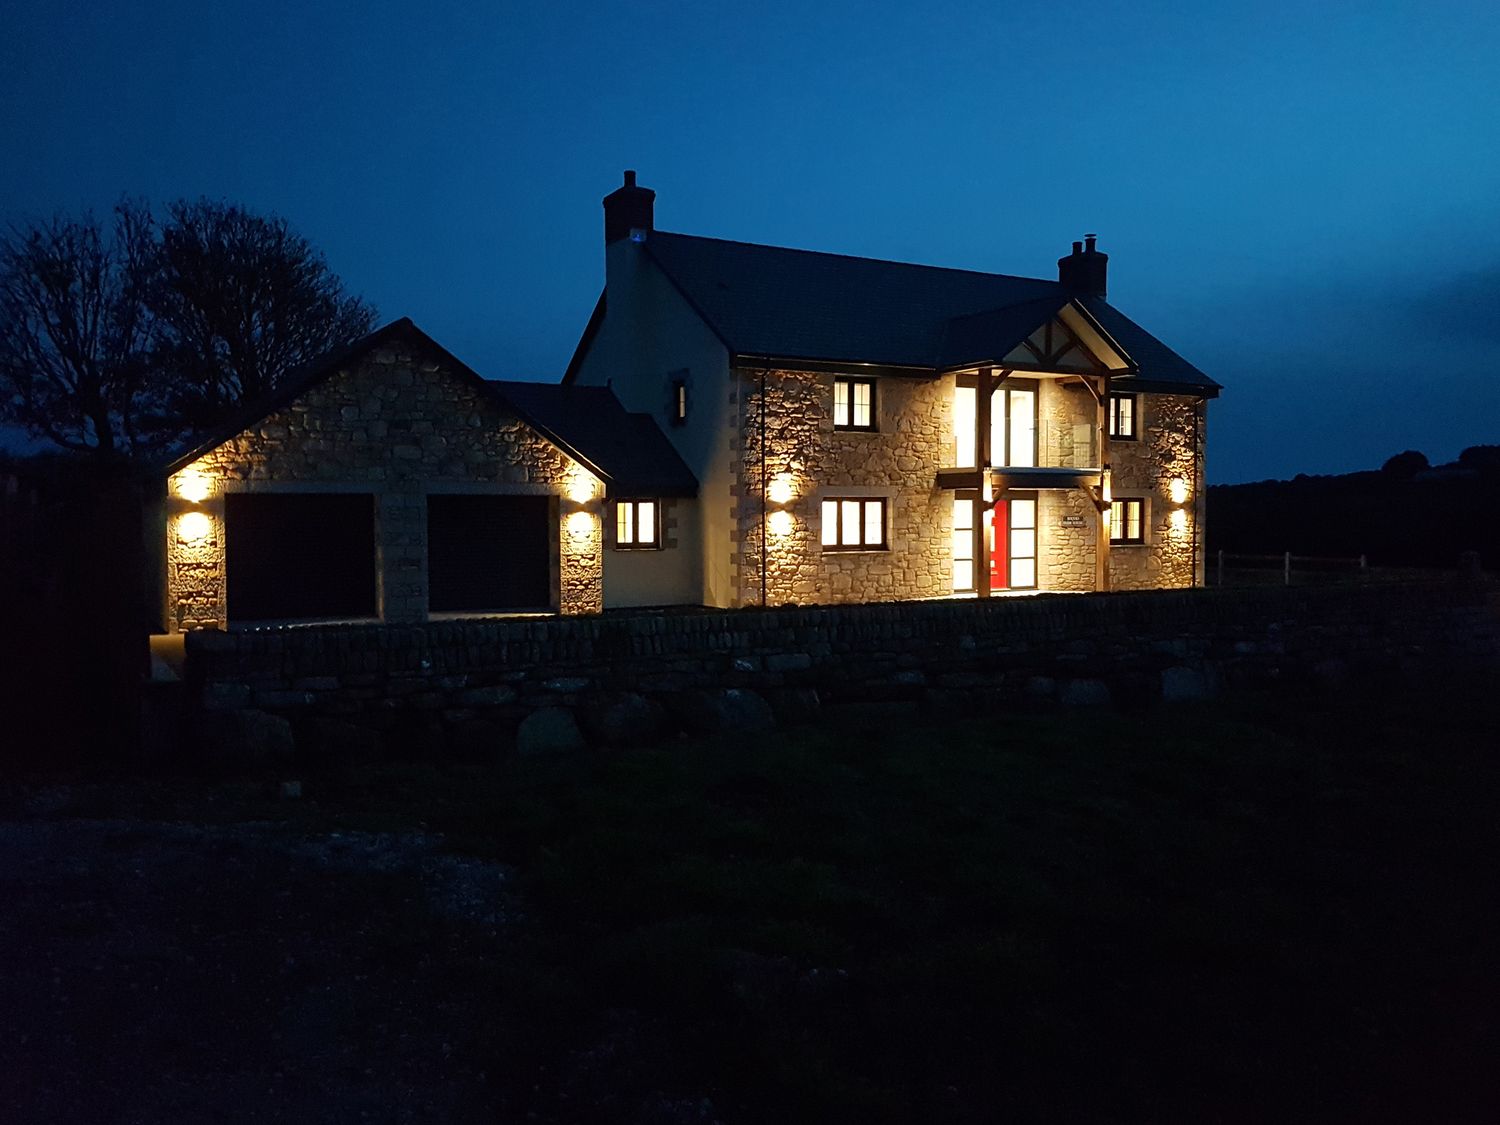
{"x":1286,"y":569}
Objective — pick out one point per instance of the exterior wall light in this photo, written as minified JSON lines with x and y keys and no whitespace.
{"x":580,"y":487}
{"x":1179,"y":520}
{"x":783,"y":489}
{"x":781,"y":523}
{"x":193,"y":487}
{"x":194,"y":527}
{"x":580,"y":525}
{"x":1178,"y":490}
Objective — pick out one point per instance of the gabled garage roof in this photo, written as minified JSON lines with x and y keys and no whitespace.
{"x":627,"y":451}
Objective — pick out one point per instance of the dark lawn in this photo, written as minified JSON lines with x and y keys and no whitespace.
{"x":1266,"y":908}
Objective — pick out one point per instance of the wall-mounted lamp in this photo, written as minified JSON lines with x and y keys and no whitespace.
{"x":781,"y":523}
{"x":580,"y":487}
{"x":194,"y":527}
{"x":1178,"y":490}
{"x":783,"y":489}
{"x":1179,"y":520}
{"x":192,"y":487}
{"x":580,"y":525}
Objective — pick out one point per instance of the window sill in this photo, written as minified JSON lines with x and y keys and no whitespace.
{"x":856,"y":550}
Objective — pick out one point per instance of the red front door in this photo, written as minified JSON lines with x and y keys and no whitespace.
{"x":1000,"y":545}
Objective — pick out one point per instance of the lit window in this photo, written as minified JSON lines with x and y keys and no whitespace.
{"x":679,"y":401}
{"x":963,"y":545}
{"x":854,"y":404}
{"x":1122,"y":416}
{"x":1127,"y":522}
{"x":636,"y":525}
{"x":853,"y":525}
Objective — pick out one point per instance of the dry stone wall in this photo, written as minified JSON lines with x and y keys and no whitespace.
{"x":637,"y":676}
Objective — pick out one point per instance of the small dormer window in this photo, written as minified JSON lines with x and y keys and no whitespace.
{"x":853,"y":404}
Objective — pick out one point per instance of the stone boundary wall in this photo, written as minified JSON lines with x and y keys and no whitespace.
{"x":634,"y":678}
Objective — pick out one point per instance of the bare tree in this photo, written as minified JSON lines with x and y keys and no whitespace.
{"x":124,"y":341}
{"x":74,"y":333}
{"x":239,"y":300}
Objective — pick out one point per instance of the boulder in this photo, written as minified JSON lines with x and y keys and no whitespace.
{"x":324,"y":738}
{"x":244,"y":738}
{"x":724,"y":711}
{"x":1085,"y":693}
{"x":624,"y":719}
{"x":795,"y":705}
{"x":1181,"y":684}
{"x":549,"y":730}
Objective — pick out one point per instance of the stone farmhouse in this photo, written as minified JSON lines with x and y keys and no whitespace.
{"x":739,"y":425}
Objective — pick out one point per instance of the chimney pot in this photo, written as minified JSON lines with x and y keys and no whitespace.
{"x":627,"y":209}
{"x":1085,"y":270}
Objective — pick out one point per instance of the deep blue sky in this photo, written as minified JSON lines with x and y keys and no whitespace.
{"x":1302,"y":199}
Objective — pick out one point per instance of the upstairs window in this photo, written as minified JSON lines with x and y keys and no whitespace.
{"x":853,"y":404}
{"x":637,"y":525}
{"x":1127,"y":521}
{"x":854,"y":524}
{"x":1123,"y":417}
{"x":678,"y":408}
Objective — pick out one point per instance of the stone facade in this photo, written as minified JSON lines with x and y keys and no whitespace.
{"x":1170,"y":448}
{"x":806,"y":459}
{"x":396,"y":423}
{"x":806,"y":454}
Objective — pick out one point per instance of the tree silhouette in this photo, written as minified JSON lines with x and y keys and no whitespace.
{"x":123,"y":341}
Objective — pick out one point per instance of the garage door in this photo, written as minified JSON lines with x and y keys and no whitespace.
{"x":489,"y":554}
{"x":299,"y":555}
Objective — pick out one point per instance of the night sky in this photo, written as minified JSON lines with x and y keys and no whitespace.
{"x":1304,"y":200}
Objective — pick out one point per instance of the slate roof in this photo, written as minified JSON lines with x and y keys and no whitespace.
{"x":769,"y":301}
{"x":628,"y":451}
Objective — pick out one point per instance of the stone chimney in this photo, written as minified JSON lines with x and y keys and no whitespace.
{"x":1085,"y":269}
{"x":628,"y":208}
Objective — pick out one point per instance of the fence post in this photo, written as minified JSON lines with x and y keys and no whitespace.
{"x":1286,"y":569}
{"x":1221,"y":567}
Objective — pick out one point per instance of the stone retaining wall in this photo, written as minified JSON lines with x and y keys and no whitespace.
{"x":636,"y":677}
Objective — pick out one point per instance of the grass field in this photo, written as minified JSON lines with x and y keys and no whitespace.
{"x":1267,"y":908}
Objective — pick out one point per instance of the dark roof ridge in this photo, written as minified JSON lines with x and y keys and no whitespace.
{"x":853,"y":257}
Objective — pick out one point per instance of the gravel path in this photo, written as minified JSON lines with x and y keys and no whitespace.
{"x":155,"y":972}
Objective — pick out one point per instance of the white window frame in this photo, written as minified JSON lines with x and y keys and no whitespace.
{"x":632,"y":518}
